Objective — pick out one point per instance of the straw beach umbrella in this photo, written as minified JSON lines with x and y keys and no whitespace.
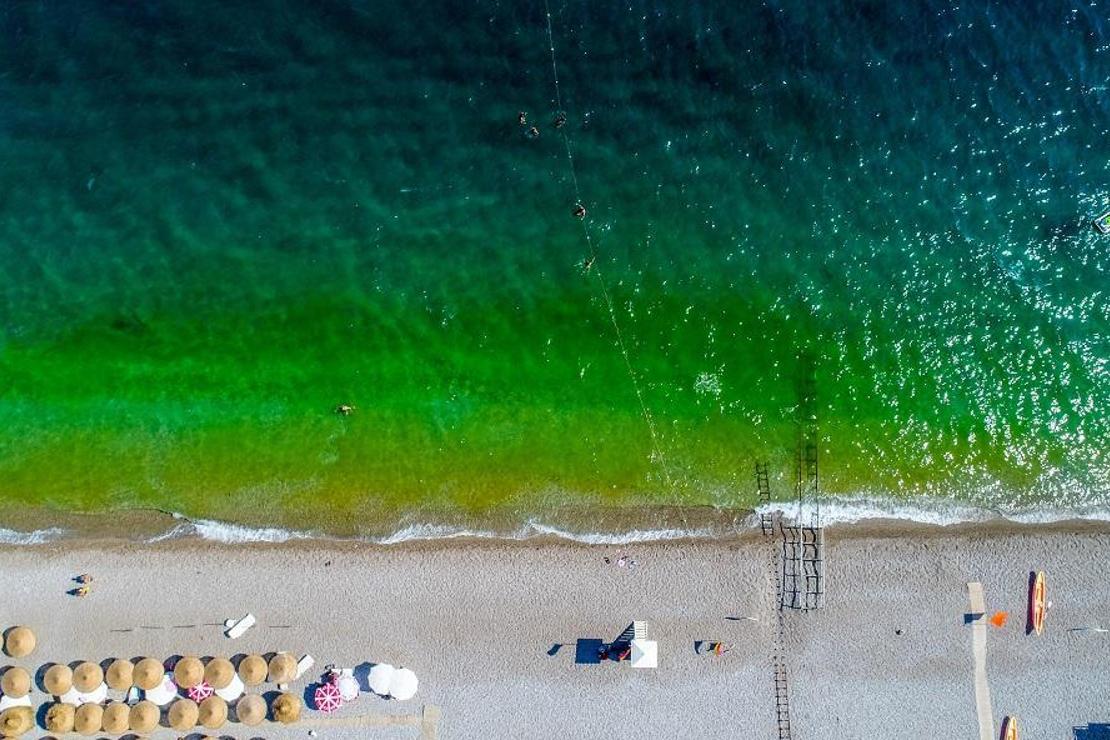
{"x":283,"y":668}
{"x":59,"y":718}
{"x":87,"y":677}
{"x":19,"y":642}
{"x":88,"y":718}
{"x":287,"y":708}
{"x":188,"y":672}
{"x":117,"y":715}
{"x":16,"y":682}
{"x":183,"y":715}
{"x":251,"y":710}
{"x":58,"y":679}
{"x":120,"y":675}
{"x":148,"y":673}
{"x":16,"y":721}
{"x":253,"y":670}
{"x":219,"y":672}
{"x":144,"y":716}
{"x":213,"y":712}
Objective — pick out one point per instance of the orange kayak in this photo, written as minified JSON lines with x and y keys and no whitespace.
{"x":1037,"y":604}
{"x":1009,"y":728}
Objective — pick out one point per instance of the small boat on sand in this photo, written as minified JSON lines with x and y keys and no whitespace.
{"x":1009,"y":728}
{"x":1037,"y":603}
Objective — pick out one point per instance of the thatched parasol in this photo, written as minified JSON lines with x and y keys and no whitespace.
{"x":188,"y":672}
{"x":144,"y":716}
{"x":253,"y":670}
{"x":15,"y":721}
{"x":87,"y":677}
{"x":19,"y":642}
{"x":219,"y":672}
{"x":213,"y":712}
{"x":120,"y":675}
{"x":183,"y":715}
{"x":283,"y":668}
{"x":148,"y":674}
{"x":251,"y":710}
{"x":117,"y":715}
{"x":59,"y":718}
{"x":88,"y":718}
{"x":287,"y":708}
{"x":16,"y":682}
{"x":58,"y":679}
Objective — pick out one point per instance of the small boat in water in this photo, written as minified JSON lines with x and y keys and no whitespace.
{"x":1102,"y":223}
{"x":1009,"y":728}
{"x":1037,"y":603}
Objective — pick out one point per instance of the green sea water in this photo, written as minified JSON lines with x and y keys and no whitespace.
{"x":218,"y":221}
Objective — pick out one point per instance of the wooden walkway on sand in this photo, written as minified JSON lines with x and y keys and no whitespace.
{"x":979,"y":650}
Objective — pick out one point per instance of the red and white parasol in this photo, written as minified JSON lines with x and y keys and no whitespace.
{"x":327,"y":697}
{"x":200,"y":692}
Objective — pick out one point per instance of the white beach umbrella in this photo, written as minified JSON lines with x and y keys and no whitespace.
{"x":163,"y":693}
{"x":348,"y":687}
{"x":77,"y":698}
{"x":7,"y":701}
{"x":379,"y":678}
{"x":403,"y":684}
{"x":645,"y":654}
{"x":233,"y":690}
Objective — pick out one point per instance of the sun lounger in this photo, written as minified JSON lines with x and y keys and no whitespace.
{"x":305,"y":664}
{"x":236,"y":628}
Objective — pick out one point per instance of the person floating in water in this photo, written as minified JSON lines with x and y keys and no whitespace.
{"x":533,"y":133}
{"x":344,"y":409}
{"x":560,"y":119}
{"x":588,"y":263}
{"x":579,"y":211}
{"x":522,"y":118}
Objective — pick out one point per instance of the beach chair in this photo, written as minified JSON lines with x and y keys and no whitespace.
{"x":237,"y":627}
{"x":304,"y":665}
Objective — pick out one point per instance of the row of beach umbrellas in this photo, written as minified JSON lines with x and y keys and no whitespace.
{"x":117,"y":718}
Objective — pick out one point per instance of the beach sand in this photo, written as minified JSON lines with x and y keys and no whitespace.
{"x":479,"y":623}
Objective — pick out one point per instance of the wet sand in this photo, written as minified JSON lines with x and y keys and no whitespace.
{"x":492,"y":630}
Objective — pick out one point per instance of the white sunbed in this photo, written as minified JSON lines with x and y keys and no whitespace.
{"x":236,"y":627}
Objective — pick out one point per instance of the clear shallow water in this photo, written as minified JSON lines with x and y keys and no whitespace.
{"x":218,"y":222}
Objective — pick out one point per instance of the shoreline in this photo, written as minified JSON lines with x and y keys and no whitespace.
{"x":150,"y":528}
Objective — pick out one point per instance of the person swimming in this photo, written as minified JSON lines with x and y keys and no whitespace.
{"x":522,"y":118}
{"x":587,"y":264}
{"x":579,"y":211}
{"x":344,"y":409}
{"x":533,"y":133}
{"x":560,"y":119}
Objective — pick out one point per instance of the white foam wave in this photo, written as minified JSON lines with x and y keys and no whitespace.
{"x":227,"y":533}
{"x":925,"y":510}
{"x":37,"y":537}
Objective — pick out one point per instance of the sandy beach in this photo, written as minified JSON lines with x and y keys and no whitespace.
{"x":492,"y":630}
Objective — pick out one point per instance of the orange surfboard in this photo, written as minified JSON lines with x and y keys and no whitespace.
{"x":1009,"y":728}
{"x":1037,"y":602}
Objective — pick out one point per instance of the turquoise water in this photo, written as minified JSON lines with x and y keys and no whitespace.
{"x":221,"y":220}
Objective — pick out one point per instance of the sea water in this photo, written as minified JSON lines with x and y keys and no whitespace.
{"x":221,"y":220}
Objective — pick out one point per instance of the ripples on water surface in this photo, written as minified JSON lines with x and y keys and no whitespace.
{"x":220,"y":220}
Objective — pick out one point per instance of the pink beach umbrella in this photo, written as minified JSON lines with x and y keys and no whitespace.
{"x":327,"y":697}
{"x":200,"y":692}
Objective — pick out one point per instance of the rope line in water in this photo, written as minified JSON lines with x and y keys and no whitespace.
{"x":657,"y":452}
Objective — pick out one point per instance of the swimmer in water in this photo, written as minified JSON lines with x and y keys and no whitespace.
{"x":587,"y":264}
{"x":579,"y":211}
{"x":533,"y":133}
{"x":522,"y":118}
{"x":560,"y":119}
